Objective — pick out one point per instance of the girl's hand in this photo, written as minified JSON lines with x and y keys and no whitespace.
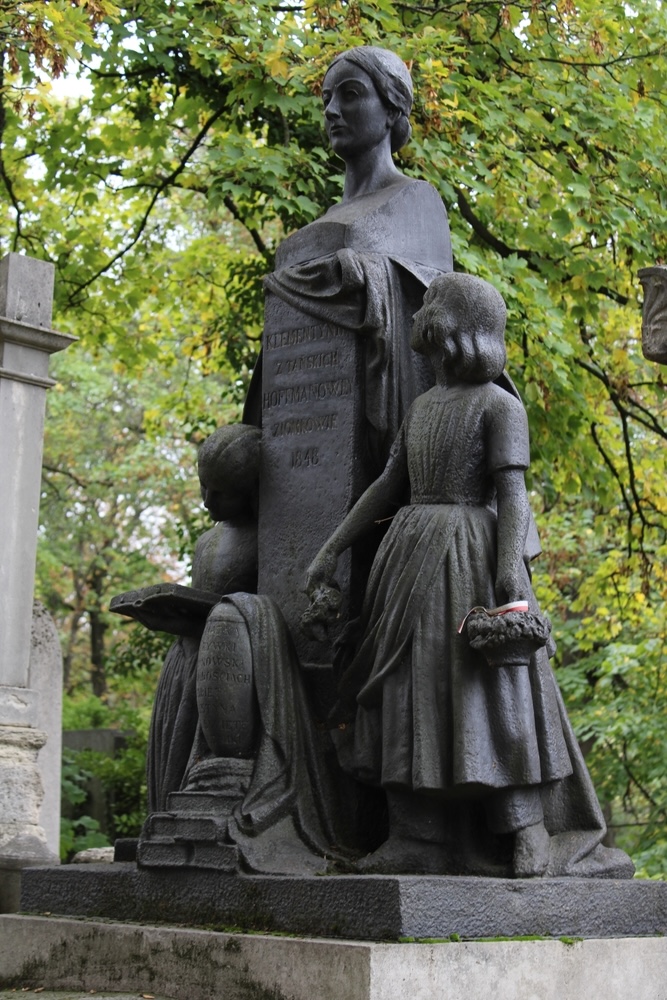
{"x":320,"y":572}
{"x":510,"y":585}
{"x":324,"y":608}
{"x":325,"y":596}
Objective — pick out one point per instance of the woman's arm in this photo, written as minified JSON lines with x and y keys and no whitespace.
{"x":513,"y":519}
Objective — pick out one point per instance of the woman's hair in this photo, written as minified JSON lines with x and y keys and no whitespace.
{"x":465,"y":318}
{"x":229,"y":458}
{"x":392,"y":81}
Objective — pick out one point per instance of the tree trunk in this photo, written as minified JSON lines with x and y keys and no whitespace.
{"x":98,"y":627}
{"x":98,"y":677}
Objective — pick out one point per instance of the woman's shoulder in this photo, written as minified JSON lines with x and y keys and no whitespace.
{"x":405,"y":221}
{"x":409,"y":225}
{"x":402,"y":190}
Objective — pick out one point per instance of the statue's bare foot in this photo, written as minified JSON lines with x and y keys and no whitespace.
{"x":406,"y":856}
{"x":531,"y":851}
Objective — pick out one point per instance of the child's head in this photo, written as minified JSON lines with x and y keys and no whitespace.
{"x":461,"y":328}
{"x":228,"y":465}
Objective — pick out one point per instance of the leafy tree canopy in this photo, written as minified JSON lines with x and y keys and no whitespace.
{"x":161,"y":193}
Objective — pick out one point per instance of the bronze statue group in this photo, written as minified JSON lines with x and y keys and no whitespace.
{"x":470,"y":766}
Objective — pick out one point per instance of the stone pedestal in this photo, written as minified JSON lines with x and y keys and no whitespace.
{"x":46,"y":678}
{"x":29,"y":660}
{"x":192,"y":833}
{"x":369,"y":907}
{"x":185,"y":964}
{"x":26,"y":342}
{"x":22,"y":839}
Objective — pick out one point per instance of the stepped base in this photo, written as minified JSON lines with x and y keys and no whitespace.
{"x":193,"y":831}
{"x":367,"y":907}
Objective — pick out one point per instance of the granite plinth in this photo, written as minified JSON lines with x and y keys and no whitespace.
{"x":373,"y":907}
{"x":184,"y":964}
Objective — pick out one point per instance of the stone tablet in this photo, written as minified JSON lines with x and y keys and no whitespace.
{"x":338,"y":375}
{"x":312,"y":448}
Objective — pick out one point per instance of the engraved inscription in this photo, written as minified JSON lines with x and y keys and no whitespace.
{"x":307,"y":393}
{"x":224,"y":676}
{"x":304,"y":425}
{"x":302,"y":335}
{"x":326,"y":359}
{"x":304,"y":459}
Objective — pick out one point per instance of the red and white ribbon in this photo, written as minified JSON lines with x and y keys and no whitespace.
{"x":504,"y":609}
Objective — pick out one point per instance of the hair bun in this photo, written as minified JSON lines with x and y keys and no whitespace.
{"x":400,"y":133}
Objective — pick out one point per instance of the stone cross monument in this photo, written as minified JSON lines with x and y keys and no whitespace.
{"x":30,"y":679}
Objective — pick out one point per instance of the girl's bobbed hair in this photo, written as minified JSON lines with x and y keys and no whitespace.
{"x":464,"y":318}
{"x":392,"y":81}
{"x":229,"y":458}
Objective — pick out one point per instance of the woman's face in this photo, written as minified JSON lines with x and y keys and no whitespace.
{"x":357,"y":120}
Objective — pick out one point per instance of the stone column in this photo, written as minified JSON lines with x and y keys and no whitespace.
{"x":26,"y":342}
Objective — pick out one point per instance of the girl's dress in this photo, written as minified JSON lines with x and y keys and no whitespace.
{"x":432,"y":715}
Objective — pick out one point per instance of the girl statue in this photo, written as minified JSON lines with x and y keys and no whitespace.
{"x":435,"y":725}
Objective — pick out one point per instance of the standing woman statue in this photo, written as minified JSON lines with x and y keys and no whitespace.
{"x":338,"y":373}
{"x":366,"y":263}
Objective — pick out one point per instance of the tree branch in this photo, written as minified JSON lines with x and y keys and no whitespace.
{"x":161,"y":187}
{"x":503,"y":250}
{"x":614,"y":471}
{"x":83,"y":484}
{"x":6,"y":179}
{"x":478,"y":227}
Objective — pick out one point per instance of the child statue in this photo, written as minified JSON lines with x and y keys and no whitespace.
{"x":439,"y":729}
{"x":231,"y":724}
{"x":224,"y":562}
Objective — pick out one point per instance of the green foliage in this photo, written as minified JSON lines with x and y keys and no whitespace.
{"x":123,"y":778}
{"x":610,"y":612}
{"x":161,"y":193}
{"x":86,"y":711}
{"x":83,"y":831}
{"x":133,"y":666}
{"x":116,"y":511}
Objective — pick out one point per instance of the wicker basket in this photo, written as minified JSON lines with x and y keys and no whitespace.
{"x":508,"y":640}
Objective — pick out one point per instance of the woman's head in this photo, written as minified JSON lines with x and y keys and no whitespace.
{"x":391,"y":80}
{"x":461,"y":326}
{"x":228,"y":466}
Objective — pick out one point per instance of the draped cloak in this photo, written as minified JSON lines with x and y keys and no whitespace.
{"x":365,"y":266}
